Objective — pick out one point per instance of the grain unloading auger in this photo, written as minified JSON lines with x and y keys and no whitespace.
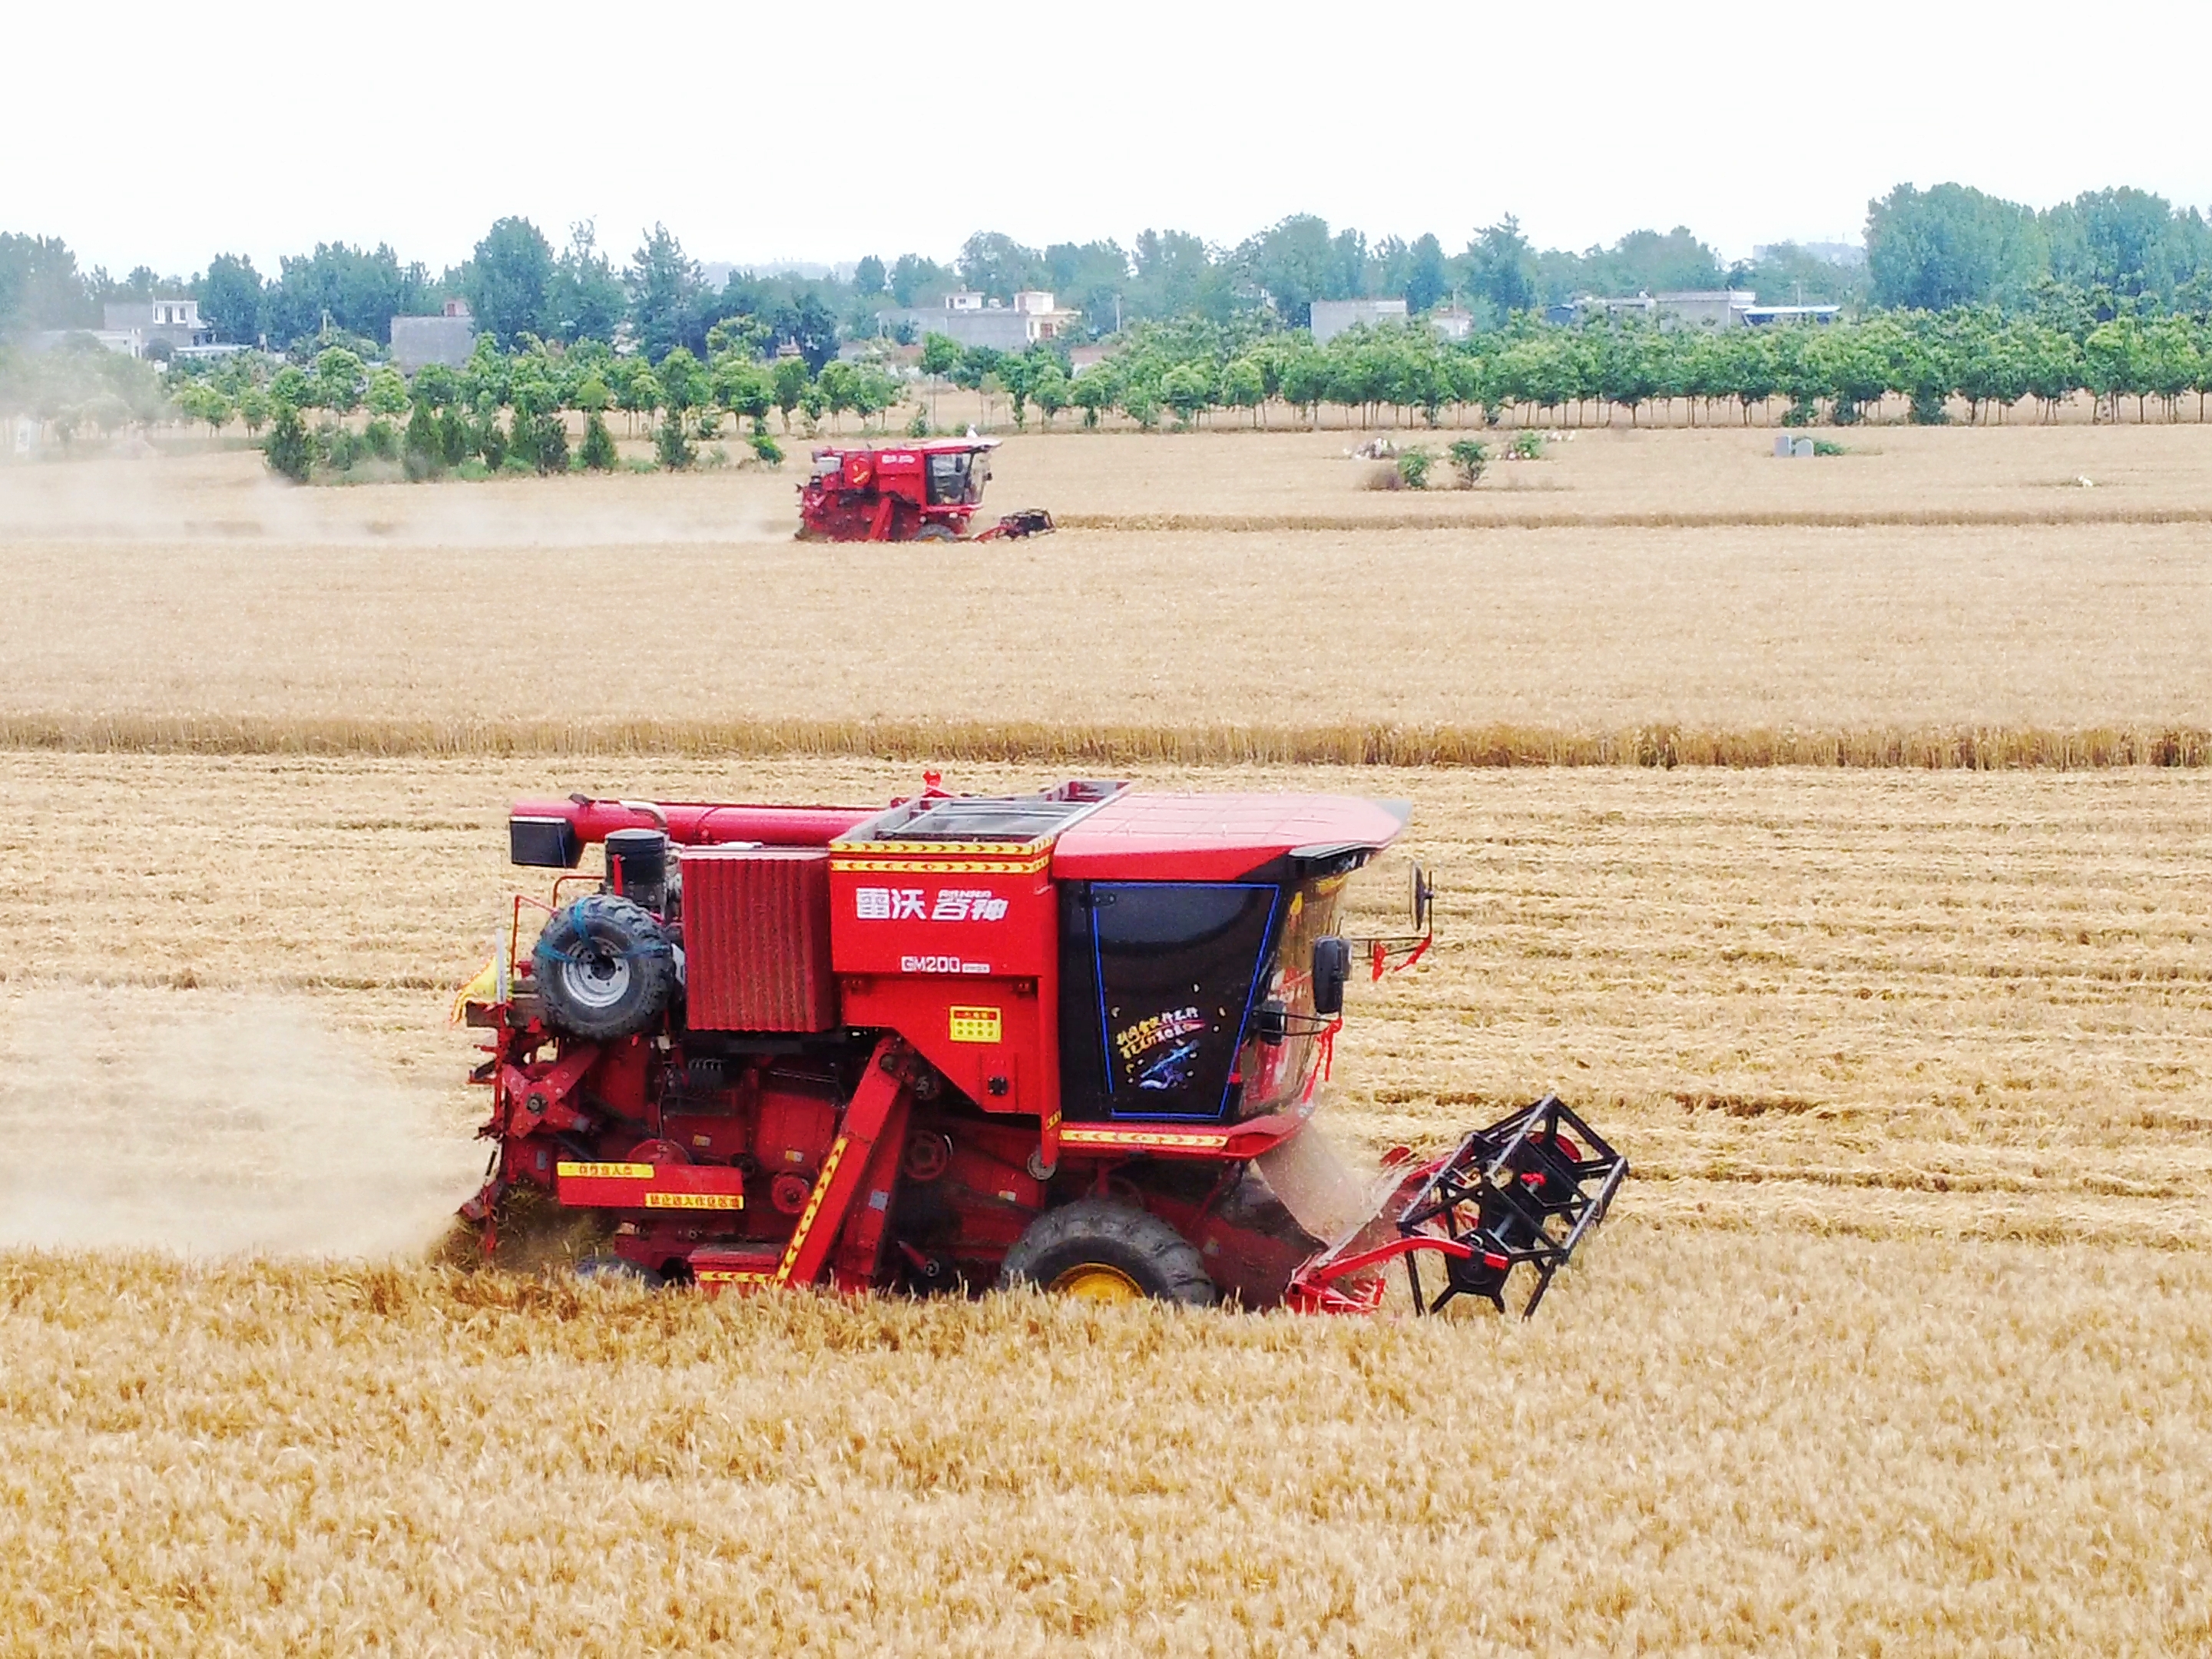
{"x":1071,"y":1039}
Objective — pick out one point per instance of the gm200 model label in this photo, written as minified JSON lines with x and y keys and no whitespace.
{"x":941,"y":965}
{"x":911,"y":905}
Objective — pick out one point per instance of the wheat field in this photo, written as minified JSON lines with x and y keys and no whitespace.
{"x":1898,"y":1341}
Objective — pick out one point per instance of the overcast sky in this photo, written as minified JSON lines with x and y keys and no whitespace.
{"x":166,"y":135}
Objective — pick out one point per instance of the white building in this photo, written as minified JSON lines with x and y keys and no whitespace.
{"x":1332,"y":316}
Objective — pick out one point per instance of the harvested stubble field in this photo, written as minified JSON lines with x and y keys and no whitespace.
{"x":1898,"y":1340}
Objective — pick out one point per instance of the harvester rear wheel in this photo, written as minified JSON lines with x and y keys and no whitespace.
{"x":604,"y":968}
{"x":1099,"y":1250}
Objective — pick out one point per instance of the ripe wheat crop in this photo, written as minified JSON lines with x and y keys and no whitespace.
{"x":1853,"y":878}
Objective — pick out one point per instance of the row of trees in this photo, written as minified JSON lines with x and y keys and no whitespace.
{"x":1192,"y":371}
{"x":1926,"y":250}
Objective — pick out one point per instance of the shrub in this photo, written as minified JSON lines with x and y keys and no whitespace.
{"x":548,"y":445}
{"x":425,"y":456}
{"x":916,"y":427}
{"x":1527,"y":447}
{"x":291,"y":450}
{"x":1414,"y":466}
{"x":490,"y":443}
{"x":597,"y":451}
{"x":381,"y":439}
{"x":453,"y":445}
{"x":673,"y":445}
{"x":1468,"y":458}
{"x":766,"y":450}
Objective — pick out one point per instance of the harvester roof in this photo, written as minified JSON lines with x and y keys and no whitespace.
{"x":1193,"y":837}
{"x":1106,"y":830}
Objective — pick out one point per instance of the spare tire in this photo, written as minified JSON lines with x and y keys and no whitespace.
{"x":604,"y":968}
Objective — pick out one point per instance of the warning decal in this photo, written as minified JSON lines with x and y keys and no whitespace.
{"x":975,"y":1024}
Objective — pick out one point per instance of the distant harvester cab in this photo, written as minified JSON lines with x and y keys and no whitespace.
{"x":927,"y":490}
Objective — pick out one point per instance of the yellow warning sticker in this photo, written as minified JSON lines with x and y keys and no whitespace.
{"x":694,"y":1201}
{"x":604,"y":1171}
{"x":975,"y":1024}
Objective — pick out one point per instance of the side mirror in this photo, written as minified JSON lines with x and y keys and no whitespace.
{"x":1332,"y":967}
{"x":1423,"y":897}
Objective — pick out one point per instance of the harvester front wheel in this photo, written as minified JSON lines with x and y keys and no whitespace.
{"x":936,"y":532}
{"x":1101,"y":1251}
{"x":604,"y":968}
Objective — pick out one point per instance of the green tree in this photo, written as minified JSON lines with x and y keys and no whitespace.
{"x":1048,"y":385}
{"x":666,"y":295}
{"x":387,"y":393}
{"x":231,"y":299}
{"x":338,"y":380}
{"x":508,"y":278}
{"x":940,"y":356}
{"x":790,"y":382}
{"x":1950,"y":246}
{"x":254,"y":409}
{"x":584,"y":298}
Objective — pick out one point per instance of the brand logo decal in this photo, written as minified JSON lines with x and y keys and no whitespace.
{"x":907,"y":904}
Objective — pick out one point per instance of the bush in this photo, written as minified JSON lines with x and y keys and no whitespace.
{"x":1527,"y":447}
{"x":673,"y":445}
{"x":425,"y":455}
{"x":1468,"y":458}
{"x":291,"y":449}
{"x":381,"y":439}
{"x":453,"y":445}
{"x":597,"y":451}
{"x":916,"y":427}
{"x":766,"y":450}
{"x":548,"y":445}
{"x":1414,"y":466}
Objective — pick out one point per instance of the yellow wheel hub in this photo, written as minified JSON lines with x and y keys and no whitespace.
{"x":1094,"y":1281}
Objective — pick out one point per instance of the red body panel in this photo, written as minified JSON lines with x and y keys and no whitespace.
{"x":756,"y":925}
{"x":956,"y":947}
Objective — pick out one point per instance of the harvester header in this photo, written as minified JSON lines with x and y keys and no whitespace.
{"x":1072,"y":1038}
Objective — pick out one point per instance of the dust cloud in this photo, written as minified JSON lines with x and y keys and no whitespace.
{"x":234,"y":498}
{"x":211,"y":1124}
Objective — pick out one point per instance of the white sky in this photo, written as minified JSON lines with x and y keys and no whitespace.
{"x":166,"y":135}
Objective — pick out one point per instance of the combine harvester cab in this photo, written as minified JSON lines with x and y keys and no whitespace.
{"x":1074,"y":1039}
{"x":924,"y":491}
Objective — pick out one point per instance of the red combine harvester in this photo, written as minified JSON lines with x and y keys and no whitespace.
{"x":1070,"y":1039}
{"x":915,"y":492}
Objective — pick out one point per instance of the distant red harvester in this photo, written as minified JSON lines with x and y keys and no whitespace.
{"x":1070,"y":1039}
{"x":925,"y":491}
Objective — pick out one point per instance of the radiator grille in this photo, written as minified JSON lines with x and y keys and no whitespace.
{"x":757,"y":939}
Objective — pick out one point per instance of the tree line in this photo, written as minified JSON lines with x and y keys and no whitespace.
{"x":1931,"y":249}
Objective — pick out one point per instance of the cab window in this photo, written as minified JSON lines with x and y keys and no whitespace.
{"x":1157,"y":987}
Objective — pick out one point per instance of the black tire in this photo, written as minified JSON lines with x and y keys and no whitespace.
{"x":1107,"y":1241}
{"x":604,"y":968}
{"x":936,"y":532}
